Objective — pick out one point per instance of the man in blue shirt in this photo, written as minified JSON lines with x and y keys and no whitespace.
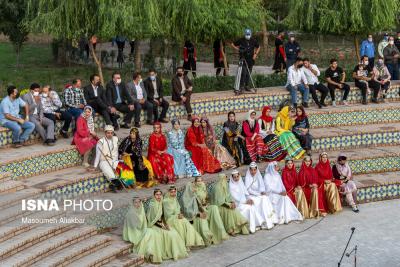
{"x":368,"y":49}
{"x":292,"y":50}
{"x":10,"y":118}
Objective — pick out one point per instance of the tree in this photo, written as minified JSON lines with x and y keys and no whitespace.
{"x":352,"y":17}
{"x":12,"y":13}
{"x":70,"y":19}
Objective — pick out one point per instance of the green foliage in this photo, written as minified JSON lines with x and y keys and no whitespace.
{"x":343,"y":16}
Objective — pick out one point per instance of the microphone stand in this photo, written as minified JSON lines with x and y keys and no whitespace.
{"x":355,"y":255}
{"x":352,"y":232}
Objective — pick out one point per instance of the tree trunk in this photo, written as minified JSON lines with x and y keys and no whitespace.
{"x":265,"y":38}
{"x":226,"y":67}
{"x":138,"y":62}
{"x":98,"y":62}
{"x":356,"y":46}
{"x":62,"y":53}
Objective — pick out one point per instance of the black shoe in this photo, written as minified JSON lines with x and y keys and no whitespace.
{"x":137,"y":124}
{"x":323,"y":104}
{"x":64,"y":134}
{"x":295,"y":105}
{"x":374,"y":100}
{"x":125,"y":126}
{"x":17,"y":144}
{"x":364,"y":102}
{"x":150,"y":122}
{"x":164,"y":120}
{"x":305,"y":105}
{"x":51,"y":142}
{"x":189,"y":117}
{"x":116,"y":127}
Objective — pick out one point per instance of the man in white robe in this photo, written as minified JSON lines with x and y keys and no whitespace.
{"x":243,"y":203}
{"x":255,"y":186}
{"x":285,"y":210}
{"x":107,"y":157}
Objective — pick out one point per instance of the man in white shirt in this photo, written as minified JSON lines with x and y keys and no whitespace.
{"x":138,"y":93}
{"x":296,"y":80}
{"x":312,"y":72}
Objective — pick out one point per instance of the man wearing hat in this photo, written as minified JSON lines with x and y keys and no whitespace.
{"x":107,"y":156}
{"x":248,"y":49}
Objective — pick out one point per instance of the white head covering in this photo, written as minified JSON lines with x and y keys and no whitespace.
{"x":251,"y":121}
{"x":235,"y":171}
{"x":238,"y":191}
{"x":109,"y":128}
{"x":254,"y":184}
{"x":273,"y":182}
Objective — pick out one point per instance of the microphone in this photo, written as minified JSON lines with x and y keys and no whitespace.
{"x":353,"y":228}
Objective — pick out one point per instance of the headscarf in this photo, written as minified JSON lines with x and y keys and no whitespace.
{"x":135,"y":224}
{"x":154,"y":212}
{"x":175,"y":120}
{"x":220,"y":193}
{"x":324,"y":170}
{"x":158,"y":124}
{"x":189,"y":203}
{"x":201,"y":191}
{"x":137,"y":144}
{"x":238,"y":190}
{"x":255,"y":182}
{"x":286,"y":122}
{"x":89,"y":119}
{"x":264,"y":116}
{"x":209,"y":129}
{"x":232,"y":126}
{"x":273,"y":182}
{"x":197,"y":130}
{"x":289,"y":176}
{"x":303,"y":115}
{"x":308,"y":174}
{"x":249,"y":119}
{"x":343,"y":170}
{"x":171,"y":207}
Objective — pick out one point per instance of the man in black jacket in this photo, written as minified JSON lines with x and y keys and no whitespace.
{"x":95,"y":96}
{"x":119,"y":99}
{"x":154,"y":88}
{"x":182,"y":88}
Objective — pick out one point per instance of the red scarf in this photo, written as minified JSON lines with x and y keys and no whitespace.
{"x":289,"y":177}
{"x":303,"y":115}
{"x":307,"y":175}
{"x":264,"y":116}
{"x":324,"y":170}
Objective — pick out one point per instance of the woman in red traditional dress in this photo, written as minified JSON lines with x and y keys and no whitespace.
{"x":254,"y":142}
{"x":85,"y":137}
{"x":314,"y":188}
{"x":325,"y":177}
{"x":294,"y":187}
{"x":201,"y":155}
{"x":162,"y":162}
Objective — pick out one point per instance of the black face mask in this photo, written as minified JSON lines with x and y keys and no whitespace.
{"x":97,"y":84}
{"x":299,"y":66}
{"x":180,"y":74}
{"x":18,"y":95}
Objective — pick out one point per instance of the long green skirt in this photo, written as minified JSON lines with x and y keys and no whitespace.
{"x":291,"y":145}
{"x":170,"y":244}
{"x":234,"y":222}
{"x":187,"y":232}
{"x":201,"y":226}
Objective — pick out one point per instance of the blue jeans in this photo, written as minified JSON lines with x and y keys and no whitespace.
{"x":16,"y":128}
{"x":75,"y":112}
{"x":293,"y":93}
{"x":393,"y":70}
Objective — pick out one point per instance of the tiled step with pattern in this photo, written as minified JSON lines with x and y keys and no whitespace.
{"x":7,"y":199}
{"x":11,"y":186}
{"x":30,"y":238}
{"x":74,"y":252}
{"x":47,"y":247}
{"x":130,"y":260}
{"x":104,"y":255}
{"x":17,"y":227}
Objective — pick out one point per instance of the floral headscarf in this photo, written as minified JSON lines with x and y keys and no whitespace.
{"x":89,"y":119}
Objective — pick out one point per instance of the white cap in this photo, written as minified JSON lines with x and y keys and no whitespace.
{"x":235,"y":172}
{"x":253,"y":165}
{"x":109,"y":128}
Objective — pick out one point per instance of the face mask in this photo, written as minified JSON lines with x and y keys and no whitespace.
{"x":97,"y":84}
{"x":44,"y":95}
{"x":180,"y":74}
{"x":153,"y":78}
{"x":291,"y":39}
{"x":141,"y":80}
{"x":18,"y":95}
{"x":366,"y":63}
{"x":391,"y":42}
{"x":385,"y":38}
{"x":369,"y":39}
{"x":119,"y":81}
{"x":300,"y":66}
{"x":247,"y":37}
{"x":35,"y":93}
{"x":380,"y":62}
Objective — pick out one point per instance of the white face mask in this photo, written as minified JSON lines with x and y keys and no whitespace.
{"x":370,"y":39}
{"x":153,"y":77}
{"x":391,"y":42}
{"x":119,"y":81}
{"x":35,"y":93}
{"x":366,"y":63}
{"x":44,"y":95}
{"x":140,"y":81}
{"x":247,"y":36}
{"x":292,"y":39}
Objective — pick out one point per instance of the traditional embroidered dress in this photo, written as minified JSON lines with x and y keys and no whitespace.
{"x":183,"y":164}
{"x":295,"y":189}
{"x":275,"y":150}
{"x":325,"y":177}
{"x":302,"y":122}
{"x":344,"y":179}
{"x":283,"y":126}
{"x":201,"y":155}
{"x":219,"y":152}
{"x":254,"y":142}
{"x":161,"y":161}
{"x":173,"y":247}
{"x":220,"y":196}
{"x":285,"y":210}
{"x":314,"y":190}
{"x":233,"y":141}
{"x":83,"y":140}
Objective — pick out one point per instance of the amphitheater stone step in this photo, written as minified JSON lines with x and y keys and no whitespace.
{"x":4,"y":177}
{"x":7,"y":199}
{"x":11,"y":186}
{"x":130,"y":260}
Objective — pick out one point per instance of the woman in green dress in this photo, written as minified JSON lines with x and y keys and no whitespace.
{"x":206,"y":218}
{"x":220,"y":196}
{"x":145,"y":239}
{"x":173,"y":247}
{"x":174,"y":218}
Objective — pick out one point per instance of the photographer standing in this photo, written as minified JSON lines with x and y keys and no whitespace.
{"x":248,"y":49}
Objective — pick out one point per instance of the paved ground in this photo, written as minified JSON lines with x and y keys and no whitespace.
{"x":377,"y":234}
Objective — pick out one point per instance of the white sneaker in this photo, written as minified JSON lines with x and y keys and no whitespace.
{"x":334,"y":103}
